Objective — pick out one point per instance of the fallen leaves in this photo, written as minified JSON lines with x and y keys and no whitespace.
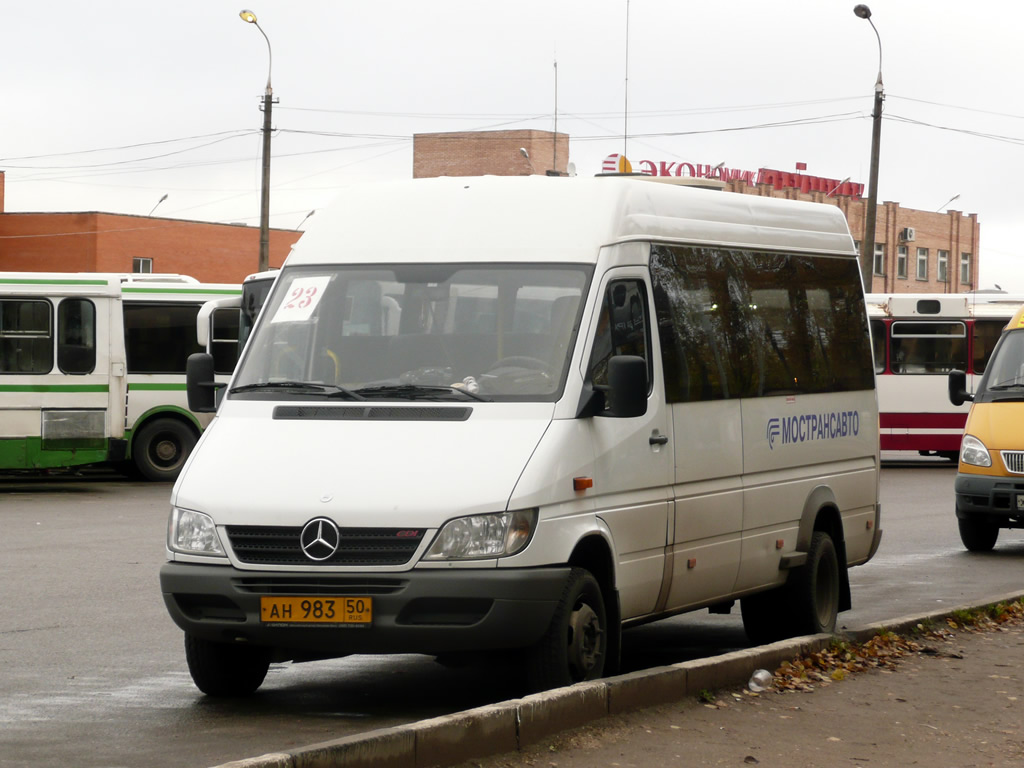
{"x":885,"y":650}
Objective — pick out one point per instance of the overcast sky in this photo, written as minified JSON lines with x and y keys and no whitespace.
{"x":110,"y":105}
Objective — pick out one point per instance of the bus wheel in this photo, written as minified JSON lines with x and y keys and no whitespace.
{"x":576,"y":644}
{"x":816,"y":589}
{"x":977,"y":535}
{"x":225,"y":669}
{"x":160,"y":448}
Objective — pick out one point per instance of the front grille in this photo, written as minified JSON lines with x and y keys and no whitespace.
{"x":279,"y":545}
{"x":1013,"y":461}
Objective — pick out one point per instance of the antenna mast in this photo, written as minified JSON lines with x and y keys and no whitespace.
{"x":554,"y":139}
{"x":625,"y":106}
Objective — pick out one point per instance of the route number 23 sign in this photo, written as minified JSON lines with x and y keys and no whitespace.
{"x":302,"y":298}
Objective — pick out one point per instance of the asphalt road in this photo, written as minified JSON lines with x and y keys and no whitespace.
{"x":92,"y":670}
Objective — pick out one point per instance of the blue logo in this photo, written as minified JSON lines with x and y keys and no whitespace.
{"x":830,"y":425}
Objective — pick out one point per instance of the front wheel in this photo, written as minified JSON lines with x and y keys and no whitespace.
{"x":160,"y":448}
{"x":575,"y":646}
{"x":977,"y":535}
{"x":223,"y":669}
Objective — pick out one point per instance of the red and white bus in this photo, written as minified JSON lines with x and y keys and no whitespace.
{"x":917,"y":340}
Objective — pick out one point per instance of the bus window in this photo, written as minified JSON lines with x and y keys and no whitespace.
{"x":158,"y":338}
{"x":76,"y":336}
{"x":878,"y":345}
{"x":985,"y":334}
{"x":224,"y":340}
{"x":928,"y":347}
{"x":26,"y":336}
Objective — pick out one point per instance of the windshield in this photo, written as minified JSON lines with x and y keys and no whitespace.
{"x":437,"y":331}
{"x":1006,"y":368}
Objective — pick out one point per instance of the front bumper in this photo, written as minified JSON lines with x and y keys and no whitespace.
{"x":990,"y":499}
{"x":425,"y":611}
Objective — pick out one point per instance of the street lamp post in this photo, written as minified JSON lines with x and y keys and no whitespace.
{"x":268,"y":101}
{"x":867,"y":245}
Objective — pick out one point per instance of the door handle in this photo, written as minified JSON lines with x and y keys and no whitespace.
{"x":657,"y":439}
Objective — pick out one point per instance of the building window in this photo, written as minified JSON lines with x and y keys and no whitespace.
{"x":879,"y":258}
{"x":901,"y":261}
{"x":141,"y":265}
{"x":922,"y":263}
{"x":941,"y":267}
{"x":965,"y":269}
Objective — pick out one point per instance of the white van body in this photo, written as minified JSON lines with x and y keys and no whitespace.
{"x":519,"y":504}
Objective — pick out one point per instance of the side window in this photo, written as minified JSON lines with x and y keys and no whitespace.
{"x":76,"y":336}
{"x":622,"y":328}
{"x":928,"y":347}
{"x":224,"y":340}
{"x":878,"y":344}
{"x":158,"y":338}
{"x":26,"y":336}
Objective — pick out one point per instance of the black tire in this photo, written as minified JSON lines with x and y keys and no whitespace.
{"x":225,"y":669}
{"x":160,"y":448}
{"x":575,"y":646}
{"x":977,"y":535}
{"x":816,"y":588}
{"x":767,"y":616}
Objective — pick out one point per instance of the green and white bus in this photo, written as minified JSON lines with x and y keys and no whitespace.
{"x":92,"y":369}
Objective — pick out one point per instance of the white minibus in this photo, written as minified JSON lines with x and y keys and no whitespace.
{"x":514,"y":416}
{"x":92,"y":369}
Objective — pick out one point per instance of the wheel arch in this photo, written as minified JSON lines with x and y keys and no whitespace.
{"x":594,"y":553}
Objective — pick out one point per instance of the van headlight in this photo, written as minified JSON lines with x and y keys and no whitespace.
{"x":193,"y":533}
{"x":484,"y":536}
{"x":974,"y":452}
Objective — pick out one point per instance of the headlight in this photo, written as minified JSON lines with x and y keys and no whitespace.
{"x":193,"y":533}
{"x":484,"y":536}
{"x":974,"y":452}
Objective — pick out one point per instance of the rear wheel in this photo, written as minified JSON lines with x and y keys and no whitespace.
{"x":160,"y":448}
{"x":977,"y":535}
{"x":575,"y":646}
{"x":223,"y":669}
{"x":816,"y":588}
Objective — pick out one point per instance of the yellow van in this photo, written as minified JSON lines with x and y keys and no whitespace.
{"x":990,"y":477}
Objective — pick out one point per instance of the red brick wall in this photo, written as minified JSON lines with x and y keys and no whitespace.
{"x":105,"y":242}
{"x":496,"y":153}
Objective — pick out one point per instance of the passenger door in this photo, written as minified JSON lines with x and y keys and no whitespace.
{"x":633,"y":456}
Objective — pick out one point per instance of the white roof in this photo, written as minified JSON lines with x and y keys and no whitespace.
{"x":540,"y":218}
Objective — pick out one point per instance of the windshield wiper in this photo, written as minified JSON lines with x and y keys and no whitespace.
{"x":414,"y":391}
{"x":1003,"y":387}
{"x":329,"y":390}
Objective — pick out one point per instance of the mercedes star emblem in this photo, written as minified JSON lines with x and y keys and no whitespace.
{"x":319,"y":539}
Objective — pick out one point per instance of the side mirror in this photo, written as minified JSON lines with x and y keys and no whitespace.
{"x":958,"y":394}
{"x":199,"y":383}
{"x":627,"y":386}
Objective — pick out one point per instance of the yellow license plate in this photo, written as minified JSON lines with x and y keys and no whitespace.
{"x":316,"y":610}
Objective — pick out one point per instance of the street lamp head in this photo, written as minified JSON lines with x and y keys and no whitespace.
{"x":861,"y":10}
{"x":250,"y":17}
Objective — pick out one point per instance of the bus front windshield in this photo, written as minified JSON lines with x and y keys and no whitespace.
{"x":416,"y":331}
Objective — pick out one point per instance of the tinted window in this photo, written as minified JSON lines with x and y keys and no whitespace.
{"x":749,"y":324}
{"x":26,"y":336}
{"x":986,"y":333}
{"x":76,"y":336}
{"x":160,"y":337}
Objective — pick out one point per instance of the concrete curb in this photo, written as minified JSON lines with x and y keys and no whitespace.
{"x":513,"y":725}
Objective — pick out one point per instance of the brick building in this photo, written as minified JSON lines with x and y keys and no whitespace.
{"x":489,"y":153}
{"x":110,"y":242}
